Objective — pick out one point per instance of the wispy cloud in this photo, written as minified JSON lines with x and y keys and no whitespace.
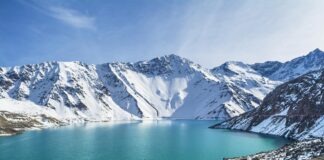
{"x":66,"y":15}
{"x":72,"y":17}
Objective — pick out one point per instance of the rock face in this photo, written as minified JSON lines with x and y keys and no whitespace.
{"x":298,"y":150}
{"x":294,"y":110}
{"x":13,"y":123}
{"x":17,"y":116}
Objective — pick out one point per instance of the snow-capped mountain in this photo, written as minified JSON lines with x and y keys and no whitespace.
{"x":294,"y":109}
{"x":254,"y":82}
{"x":167,"y":86}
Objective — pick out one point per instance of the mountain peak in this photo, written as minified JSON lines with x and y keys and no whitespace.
{"x":236,"y":63}
{"x":166,"y":64}
{"x":231,"y":68}
{"x":313,"y":58}
{"x":316,"y":52}
{"x":172,"y":58}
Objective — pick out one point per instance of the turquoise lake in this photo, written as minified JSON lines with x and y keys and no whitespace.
{"x":140,"y":140}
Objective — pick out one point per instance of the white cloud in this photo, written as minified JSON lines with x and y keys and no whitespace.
{"x":69,"y":16}
{"x":72,"y":17}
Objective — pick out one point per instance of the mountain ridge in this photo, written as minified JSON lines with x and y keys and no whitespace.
{"x":64,"y":78}
{"x":294,"y":110}
{"x":164,"y":87}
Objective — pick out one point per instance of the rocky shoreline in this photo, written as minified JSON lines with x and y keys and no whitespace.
{"x":13,"y":123}
{"x":307,"y":149}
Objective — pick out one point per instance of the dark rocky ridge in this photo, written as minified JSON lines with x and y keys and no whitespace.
{"x":267,"y":68}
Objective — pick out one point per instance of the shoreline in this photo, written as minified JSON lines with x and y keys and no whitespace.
{"x":21,"y":131}
{"x":7,"y":131}
{"x":297,"y":147}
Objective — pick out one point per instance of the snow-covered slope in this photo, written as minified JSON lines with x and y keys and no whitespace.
{"x":168,"y":86}
{"x":294,"y":109}
{"x":244,"y":77}
{"x":249,"y":84}
{"x":175,"y":87}
{"x":71,"y":89}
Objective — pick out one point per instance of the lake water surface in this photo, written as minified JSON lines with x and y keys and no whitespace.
{"x":140,"y":140}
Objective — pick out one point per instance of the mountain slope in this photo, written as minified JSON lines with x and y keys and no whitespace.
{"x":71,"y":89}
{"x":254,"y":82}
{"x":294,"y":109}
{"x":243,"y":76}
{"x":178,"y":88}
{"x":168,"y":86}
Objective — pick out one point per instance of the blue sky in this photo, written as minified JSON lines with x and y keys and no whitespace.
{"x":208,"y":32}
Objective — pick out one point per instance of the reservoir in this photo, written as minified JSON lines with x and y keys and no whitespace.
{"x":135,"y":140}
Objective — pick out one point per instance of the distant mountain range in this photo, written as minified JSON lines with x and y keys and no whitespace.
{"x":164,"y":87}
